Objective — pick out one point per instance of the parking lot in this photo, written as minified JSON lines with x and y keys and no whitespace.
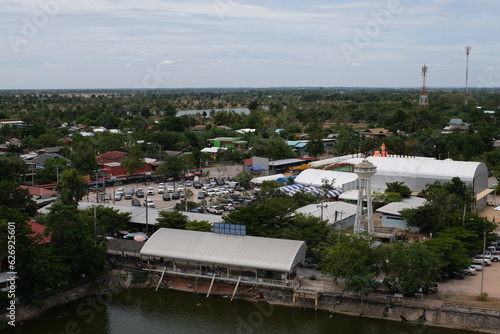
{"x":157,"y":198}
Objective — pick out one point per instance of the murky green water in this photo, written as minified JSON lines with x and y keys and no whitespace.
{"x":145,"y":311}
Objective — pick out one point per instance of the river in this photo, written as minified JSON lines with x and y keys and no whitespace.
{"x":145,"y":311}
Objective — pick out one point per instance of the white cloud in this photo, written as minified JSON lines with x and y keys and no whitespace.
{"x":166,"y":61}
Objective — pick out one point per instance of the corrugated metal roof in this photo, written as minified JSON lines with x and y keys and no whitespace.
{"x":284,"y":162}
{"x":344,"y":210}
{"x":220,"y":249}
{"x":314,"y":177}
{"x":395,"y":207}
{"x":138,"y":213}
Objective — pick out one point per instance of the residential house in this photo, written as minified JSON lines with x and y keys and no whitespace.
{"x":456,"y":124}
{"x":376,"y":133}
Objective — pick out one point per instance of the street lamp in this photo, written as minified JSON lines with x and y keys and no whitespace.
{"x":484,"y":250}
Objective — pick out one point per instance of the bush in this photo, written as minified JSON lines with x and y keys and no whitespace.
{"x":482,"y":297}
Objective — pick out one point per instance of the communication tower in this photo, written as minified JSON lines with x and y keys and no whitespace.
{"x":424,"y":100}
{"x":467,"y":51}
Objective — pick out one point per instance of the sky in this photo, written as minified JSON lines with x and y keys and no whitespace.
{"x":107,"y":44}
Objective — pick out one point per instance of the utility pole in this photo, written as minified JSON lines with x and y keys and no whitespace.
{"x":146,"y":203}
{"x":322,"y":205}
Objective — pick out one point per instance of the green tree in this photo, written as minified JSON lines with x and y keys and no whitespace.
{"x":244,"y":178}
{"x":12,"y":167}
{"x":14,"y":198}
{"x":409,"y":266}
{"x":108,"y":218}
{"x":53,"y":169}
{"x":315,"y":146}
{"x":83,"y":157}
{"x":199,"y":225}
{"x":172,"y":219}
{"x":398,"y":187}
{"x":71,"y":187}
{"x":349,"y":256}
{"x":314,"y":231}
{"x":269,"y":218}
{"x":74,"y":235}
{"x":171,"y":166}
{"x":452,"y":254}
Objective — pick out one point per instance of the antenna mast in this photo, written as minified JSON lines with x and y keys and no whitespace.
{"x":424,"y":101}
{"x":467,"y":51}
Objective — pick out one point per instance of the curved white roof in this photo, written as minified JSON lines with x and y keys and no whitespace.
{"x":261,"y":179}
{"x":314,"y":177}
{"x":221,"y":249}
{"x":417,"y":172}
{"x":334,"y":160}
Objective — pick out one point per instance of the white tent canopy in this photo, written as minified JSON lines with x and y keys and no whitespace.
{"x":261,"y":179}
{"x":226,"y":250}
{"x":341,"y":181}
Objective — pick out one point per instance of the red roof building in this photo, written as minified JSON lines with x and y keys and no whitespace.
{"x":39,"y":229}
{"x":112,"y":156}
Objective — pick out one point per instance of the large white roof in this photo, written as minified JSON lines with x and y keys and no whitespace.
{"x":314,"y":177}
{"x":334,"y":160}
{"x":221,"y":249}
{"x":417,"y":172}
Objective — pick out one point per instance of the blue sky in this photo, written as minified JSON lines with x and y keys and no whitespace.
{"x":61,"y":44}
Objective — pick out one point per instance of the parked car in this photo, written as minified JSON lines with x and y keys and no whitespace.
{"x":429,"y":289}
{"x":149,"y":203}
{"x":456,"y":274}
{"x":199,"y":209}
{"x":107,"y":196}
{"x":139,"y":193}
{"x":201,"y":195}
{"x":310,"y":262}
{"x":494,"y":255}
{"x":171,"y":188}
{"x":215,"y":209}
{"x":180,"y":186}
{"x":197,"y":185}
{"x":166,"y":196}
{"x":477,"y":266}
{"x":151,"y":191}
{"x":478,"y":259}
{"x":176,"y":195}
{"x":135,"y":202}
{"x":229,"y":207}
{"x":118,"y":196}
{"x":443,"y":276}
{"x":469,"y":271}
{"x":161,"y":188}
{"x":129,"y":193}
{"x":188,"y":183}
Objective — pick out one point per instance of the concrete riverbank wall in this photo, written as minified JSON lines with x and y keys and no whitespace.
{"x":437,"y":314}
{"x":432,"y":314}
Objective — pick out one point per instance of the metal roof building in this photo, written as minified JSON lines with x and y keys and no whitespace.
{"x":418,"y":172}
{"x":279,"y":255}
{"x":314,"y":177}
{"x":138,"y":213}
{"x":335,"y":212}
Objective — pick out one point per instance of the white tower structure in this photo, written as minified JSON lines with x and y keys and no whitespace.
{"x":365,"y":171}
